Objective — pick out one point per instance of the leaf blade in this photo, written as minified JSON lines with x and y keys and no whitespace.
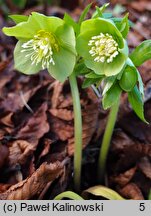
{"x":141,"y":53}
{"x":136,"y":102}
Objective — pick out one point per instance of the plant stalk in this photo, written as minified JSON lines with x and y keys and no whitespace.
{"x":106,"y":141}
{"x":77,"y":131}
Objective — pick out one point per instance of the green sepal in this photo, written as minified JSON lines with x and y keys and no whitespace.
{"x":136,"y":101}
{"x":18,"y":18}
{"x":111,"y":96}
{"x":129,"y":78}
{"x":64,"y":64}
{"x":141,"y":53}
{"x":36,"y":22}
{"x":22,"y":63}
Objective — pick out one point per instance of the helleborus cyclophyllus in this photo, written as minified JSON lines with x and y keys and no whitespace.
{"x":44,"y":43}
{"x":102,"y":46}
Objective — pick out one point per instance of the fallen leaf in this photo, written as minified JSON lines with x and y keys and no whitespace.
{"x":132,"y":191}
{"x":4,"y":152}
{"x":35,"y":127}
{"x":123,"y":178}
{"x":145,"y":166}
{"x":33,"y":185}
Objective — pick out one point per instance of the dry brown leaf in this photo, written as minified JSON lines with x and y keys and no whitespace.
{"x":4,"y":152}
{"x":7,"y":120}
{"x":4,"y":187}
{"x":35,"y":184}
{"x":56,"y":93}
{"x":124,"y":178}
{"x":47,"y":144}
{"x":145,"y":166}
{"x":120,"y":141}
{"x":63,"y":114}
{"x":19,"y":152}
{"x":63,"y":130}
{"x":131,"y":191}
{"x":35,"y":127}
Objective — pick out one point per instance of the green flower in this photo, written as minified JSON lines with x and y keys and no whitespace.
{"x":102,"y":46}
{"x":44,"y":43}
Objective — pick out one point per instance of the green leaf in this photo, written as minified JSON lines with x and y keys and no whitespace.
{"x":93,"y":75}
{"x":136,"y":102}
{"x":118,"y":20}
{"x":84,"y":13}
{"x":141,"y":53}
{"x":141,"y":85}
{"x":81,"y":69}
{"x":129,"y":78}
{"x":18,"y":18}
{"x":102,"y":191}
{"x":69,"y":195}
{"x":99,"y":11}
{"x":123,"y":26}
{"x":109,"y":82}
{"x":111,"y":96}
{"x":82,"y":17}
{"x":68,"y":19}
{"x":89,"y":81}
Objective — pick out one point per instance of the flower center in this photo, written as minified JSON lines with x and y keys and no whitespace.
{"x":41,"y":48}
{"x":103,"y":48}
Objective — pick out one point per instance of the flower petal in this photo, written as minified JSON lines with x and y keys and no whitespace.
{"x":23,"y":63}
{"x":114,"y":67}
{"x":100,"y":25}
{"x":66,"y":37}
{"x":64,"y":64}
{"x":82,"y":44}
{"x":35,"y":23}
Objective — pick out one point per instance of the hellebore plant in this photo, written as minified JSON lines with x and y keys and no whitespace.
{"x":102,"y":45}
{"x":99,"y":52}
{"x":49,"y":43}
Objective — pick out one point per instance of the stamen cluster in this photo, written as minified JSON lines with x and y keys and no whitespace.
{"x":40,"y":48}
{"x":103,"y":48}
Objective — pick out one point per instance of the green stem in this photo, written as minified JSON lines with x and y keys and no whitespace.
{"x":77,"y":131}
{"x":106,"y":140}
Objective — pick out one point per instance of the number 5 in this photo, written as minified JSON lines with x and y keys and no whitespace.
{"x":142,"y":206}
